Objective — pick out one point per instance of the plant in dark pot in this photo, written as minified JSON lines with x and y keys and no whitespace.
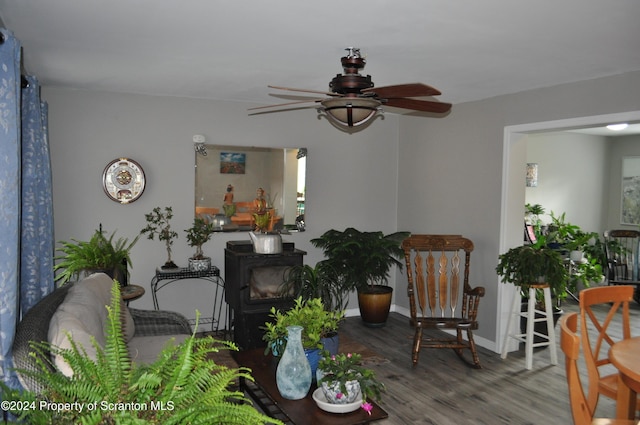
{"x":98,"y":254}
{"x":364,"y":261}
{"x":158,"y":223}
{"x":528,"y":265}
{"x":197,"y":235}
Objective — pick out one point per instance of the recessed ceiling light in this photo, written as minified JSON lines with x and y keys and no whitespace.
{"x":617,"y":127}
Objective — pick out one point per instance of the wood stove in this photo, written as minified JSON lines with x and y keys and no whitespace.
{"x":252,"y":287}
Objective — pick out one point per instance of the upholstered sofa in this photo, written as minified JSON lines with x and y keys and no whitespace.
{"x":79,"y":309}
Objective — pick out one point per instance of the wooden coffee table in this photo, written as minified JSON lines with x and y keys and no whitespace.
{"x":264,"y":392}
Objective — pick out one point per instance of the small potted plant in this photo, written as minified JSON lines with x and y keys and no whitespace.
{"x":343,"y":378}
{"x":316,"y":321}
{"x":363,"y":260}
{"x":98,"y":254}
{"x":197,"y":235}
{"x":158,"y":223}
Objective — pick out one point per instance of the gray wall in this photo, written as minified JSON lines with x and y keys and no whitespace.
{"x":405,"y":172}
{"x":623,"y":146}
{"x":573,"y":177}
{"x":580,"y":175}
{"x":463,"y":174}
{"x":351,"y":179}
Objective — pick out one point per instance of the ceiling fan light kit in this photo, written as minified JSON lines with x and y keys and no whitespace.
{"x":354,"y":102}
{"x":350,"y":111}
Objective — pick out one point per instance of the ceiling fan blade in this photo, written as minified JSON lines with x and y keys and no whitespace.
{"x":419,"y":105}
{"x":305,"y":90}
{"x":285,"y":104}
{"x":403,"y":90}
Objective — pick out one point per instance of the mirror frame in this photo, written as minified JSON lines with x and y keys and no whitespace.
{"x":245,"y":169}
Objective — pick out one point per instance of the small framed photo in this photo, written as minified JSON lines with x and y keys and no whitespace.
{"x":529,"y":233}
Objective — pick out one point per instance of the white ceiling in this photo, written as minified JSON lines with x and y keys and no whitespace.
{"x":231,"y":50}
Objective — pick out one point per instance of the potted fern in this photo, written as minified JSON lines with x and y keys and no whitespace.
{"x":98,"y":254}
{"x":363,"y":260}
{"x":197,"y":235}
{"x":182,"y":386}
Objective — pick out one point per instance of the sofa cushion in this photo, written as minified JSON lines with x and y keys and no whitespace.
{"x":83,"y":314}
{"x":145,"y":349}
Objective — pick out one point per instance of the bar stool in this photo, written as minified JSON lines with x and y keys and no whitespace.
{"x":530,"y":314}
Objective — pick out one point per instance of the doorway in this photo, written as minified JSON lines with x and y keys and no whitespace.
{"x":513,"y":191}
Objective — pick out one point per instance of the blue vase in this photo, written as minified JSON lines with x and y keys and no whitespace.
{"x":313,"y":357}
{"x":293,"y":375}
{"x":331,"y":343}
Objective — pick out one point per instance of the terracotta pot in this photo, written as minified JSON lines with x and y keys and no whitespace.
{"x":375,"y":303}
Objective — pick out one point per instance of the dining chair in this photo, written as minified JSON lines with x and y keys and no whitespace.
{"x":600,"y":307}
{"x":440,"y":295}
{"x":570,"y":344}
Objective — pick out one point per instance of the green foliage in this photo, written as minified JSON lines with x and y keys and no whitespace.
{"x":527,"y":264}
{"x":343,"y":368}
{"x":99,"y":253}
{"x":183,"y":386}
{"x":310,"y":314}
{"x":535,"y":209}
{"x":362,"y":259}
{"x":198,"y":234}
{"x":158,"y":223}
{"x":568,"y":236}
{"x":321,"y":281}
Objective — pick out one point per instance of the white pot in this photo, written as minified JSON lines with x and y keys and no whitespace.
{"x":576,"y":256}
{"x":334,"y":394}
{"x":200,"y":265}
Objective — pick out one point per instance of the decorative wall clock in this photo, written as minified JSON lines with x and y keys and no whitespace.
{"x":123,"y":180}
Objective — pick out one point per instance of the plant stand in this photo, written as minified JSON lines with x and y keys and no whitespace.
{"x":530,"y":314}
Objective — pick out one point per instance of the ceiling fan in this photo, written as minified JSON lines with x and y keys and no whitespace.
{"x":354,"y":101}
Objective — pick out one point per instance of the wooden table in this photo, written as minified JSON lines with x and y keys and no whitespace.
{"x":303,"y":412}
{"x":131,"y":292}
{"x":625,"y":355}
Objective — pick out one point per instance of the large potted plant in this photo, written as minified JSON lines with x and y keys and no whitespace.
{"x":197,"y":235}
{"x":158,"y":223}
{"x":98,"y":254}
{"x":364,"y":260}
{"x":184,"y":385}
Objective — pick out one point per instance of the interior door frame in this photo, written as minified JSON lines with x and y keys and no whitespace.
{"x":513,"y":193}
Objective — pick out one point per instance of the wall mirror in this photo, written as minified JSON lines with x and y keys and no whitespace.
{"x":241,"y":171}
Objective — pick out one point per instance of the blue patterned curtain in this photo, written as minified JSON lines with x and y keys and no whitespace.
{"x":37,"y":246}
{"x":26,"y":221}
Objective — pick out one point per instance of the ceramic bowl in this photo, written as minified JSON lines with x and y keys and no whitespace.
{"x":321,"y":401}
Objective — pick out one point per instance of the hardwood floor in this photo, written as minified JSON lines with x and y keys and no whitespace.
{"x":443,"y":390}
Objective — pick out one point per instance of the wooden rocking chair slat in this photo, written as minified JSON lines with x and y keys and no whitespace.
{"x":422,"y":290}
{"x":443,"y":288}
{"x":455,"y":282}
{"x":431,"y":282}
